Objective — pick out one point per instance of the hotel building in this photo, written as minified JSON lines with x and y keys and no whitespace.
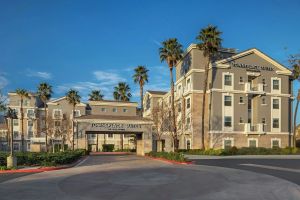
{"x":248,"y":100}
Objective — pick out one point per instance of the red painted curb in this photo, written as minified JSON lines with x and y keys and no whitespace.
{"x":110,"y":153}
{"x":171,"y":161}
{"x":41,"y":169}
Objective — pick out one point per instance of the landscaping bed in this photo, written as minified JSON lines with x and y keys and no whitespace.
{"x":43,"y":158}
{"x":243,"y":151}
{"x":168,"y":156}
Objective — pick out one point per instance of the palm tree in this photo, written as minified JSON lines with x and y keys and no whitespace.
{"x":171,"y":52}
{"x":23,"y":94}
{"x":296,"y":76}
{"x":141,"y":77}
{"x":122,"y":92}
{"x":209,"y":42}
{"x":96,"y":95}
{"x":44,"y":92}
{"x":73,"y":98}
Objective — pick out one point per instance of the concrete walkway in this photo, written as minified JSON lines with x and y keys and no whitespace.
{"x":133,"y":177}
{"x":196,"y":157}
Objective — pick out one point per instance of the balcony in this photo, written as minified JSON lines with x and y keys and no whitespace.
{"x":254,"y":129}
{"x":254,"y":88}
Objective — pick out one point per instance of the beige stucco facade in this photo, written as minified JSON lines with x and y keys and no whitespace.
{"x":249,"y":98}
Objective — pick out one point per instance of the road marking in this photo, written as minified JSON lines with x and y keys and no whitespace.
{"x":81,"y":162}
{"x":272,"y":167}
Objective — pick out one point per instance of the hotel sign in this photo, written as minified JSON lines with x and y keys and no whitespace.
{"x":252,"y":67}
{"x":115,"y":127}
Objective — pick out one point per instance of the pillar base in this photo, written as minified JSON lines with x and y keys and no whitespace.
{"x":11,"y":162}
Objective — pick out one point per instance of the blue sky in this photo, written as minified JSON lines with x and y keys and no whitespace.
{"x":95,"y":44}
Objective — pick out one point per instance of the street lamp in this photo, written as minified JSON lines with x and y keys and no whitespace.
{"x":10,"y":116}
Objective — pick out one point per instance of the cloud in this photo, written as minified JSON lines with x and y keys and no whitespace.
{"x":3,"y":81}
{"x":157,"y":43}
{"x":43,"y":75}
{"x":108,"y":78}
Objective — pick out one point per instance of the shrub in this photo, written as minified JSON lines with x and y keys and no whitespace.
{"x":108,"y":147}
{"x":168,"y":155}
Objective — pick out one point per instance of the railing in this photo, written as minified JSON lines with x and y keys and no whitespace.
{"x":258,"y":128}
{"x":254,"y":88}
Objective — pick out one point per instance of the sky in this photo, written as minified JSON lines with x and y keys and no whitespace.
{"x":88,"y":45}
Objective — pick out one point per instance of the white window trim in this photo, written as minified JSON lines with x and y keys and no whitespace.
{"x":253,"y":139}
{"x":186,"y":99}
{"x":227,"y":87}
{"x":188,"y":86}
{"x":79,"y":114}
{"x":275,"y":91}
{"x":275,"y":113}
{"x":56,"y":109}
{"x":105,"y":109}
{"x":115,"y":109}
{"x":28,"y":112}
{"x":274,"y":139}
{"x":125,"y":110}
{"x":227,"y":138}
{"x":229,"y":113}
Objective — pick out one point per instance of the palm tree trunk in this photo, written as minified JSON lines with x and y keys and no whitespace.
{"x":173,"y":110}
{"x":97,"y":143}
{"x":22,"y":126}
{"x":73,"y":135}
{"x":122,"y":142}
{"x":203,"y":105}
{"x":46,"y":128}
{"x":295,"y":123}
{"x":142,"y":105}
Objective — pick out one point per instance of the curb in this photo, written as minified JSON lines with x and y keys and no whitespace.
{"x":42,"y":169}
{"x":171,"y":161}
{"x":110,"y":153}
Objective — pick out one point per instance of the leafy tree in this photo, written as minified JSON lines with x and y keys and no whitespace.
{"x":3,"y":99}
{"x":171,"y":52}
{"x":23,"y":94}
{"x":96,"y":95}
{"x":44,"y":92}
{"x":209,"y":42}
{"x":141,"y":77}
{"x":73,"y":98}
{"x":122,"y":92}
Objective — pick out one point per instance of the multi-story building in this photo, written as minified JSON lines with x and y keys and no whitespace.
{"x":60,"y":121}
{"x":248,"y":100}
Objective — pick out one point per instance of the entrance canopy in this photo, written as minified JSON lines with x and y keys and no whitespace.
{"x":90,"y":124}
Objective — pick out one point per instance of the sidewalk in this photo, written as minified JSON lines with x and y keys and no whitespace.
{"x":199,"y":157}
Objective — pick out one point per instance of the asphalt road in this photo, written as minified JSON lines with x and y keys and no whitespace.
{"x":132,"y":177}
{"x":288,"y":169}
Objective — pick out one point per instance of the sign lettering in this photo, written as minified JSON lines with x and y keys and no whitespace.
{"x":116,"y":126}
{"x":252,"y":67}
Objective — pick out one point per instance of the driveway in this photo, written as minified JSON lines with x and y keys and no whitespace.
{"x":132,"y":177}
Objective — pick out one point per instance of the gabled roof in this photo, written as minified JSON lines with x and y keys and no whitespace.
{"x":55,"y":101}
{"x":157,"y":92}
{"x":282,"y":68}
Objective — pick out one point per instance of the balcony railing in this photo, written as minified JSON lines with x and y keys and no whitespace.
{"x":254,"y":88}
{"x":254,"y":129}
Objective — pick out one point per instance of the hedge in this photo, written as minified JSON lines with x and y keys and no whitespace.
{"x":108,"y":147}
{"x":168,"y":155}
{"x":43,"y":158}
{"x":243,"y":151}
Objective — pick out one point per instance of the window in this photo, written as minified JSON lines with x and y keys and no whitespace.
{"x":241,"y":120}
{"x":275,"y":103}
{"x":241,"y":79}
{"x":227,"y":144}
{"x":30,"y":113}
{"x":77,"y":113}
{"x":179,"y":89}
{"x":16,"y":147}
{"x":57,"y":123}
{"x":227,"y":121}
{"x":92,"y":136}
{"x":263,"y":101}
{"x":188,"y":144}
{"x":188,"y":103}
{"x":30,"y":134}
{"x":275,"y":143}
{"x":103,"y":109}
{"x":125,"y":110}
{"x":179,"y":107}
{"x":110,"y":135}
{"x":30,"y":123}
{"x":16,"y":122}
{"x":16,"y":134}
{"x":115,"y":109}
{"x":57,"y":113}
{"x":241,"y":100}
{"x":16,"y":111}
{"x":188,"y":84}
{"x":252,"y":143}
{"x":275,"y":122}
{"x":148,"y":103}
{"x":275,"y":84}
{"x":227,"y":80}
{"x":25,"y":103}
{"x":188,"y":121}
{"x":227,"y":100}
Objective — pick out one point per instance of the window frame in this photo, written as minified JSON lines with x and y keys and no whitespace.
{"x":226,"y":101}
{"x":225,"y":126}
